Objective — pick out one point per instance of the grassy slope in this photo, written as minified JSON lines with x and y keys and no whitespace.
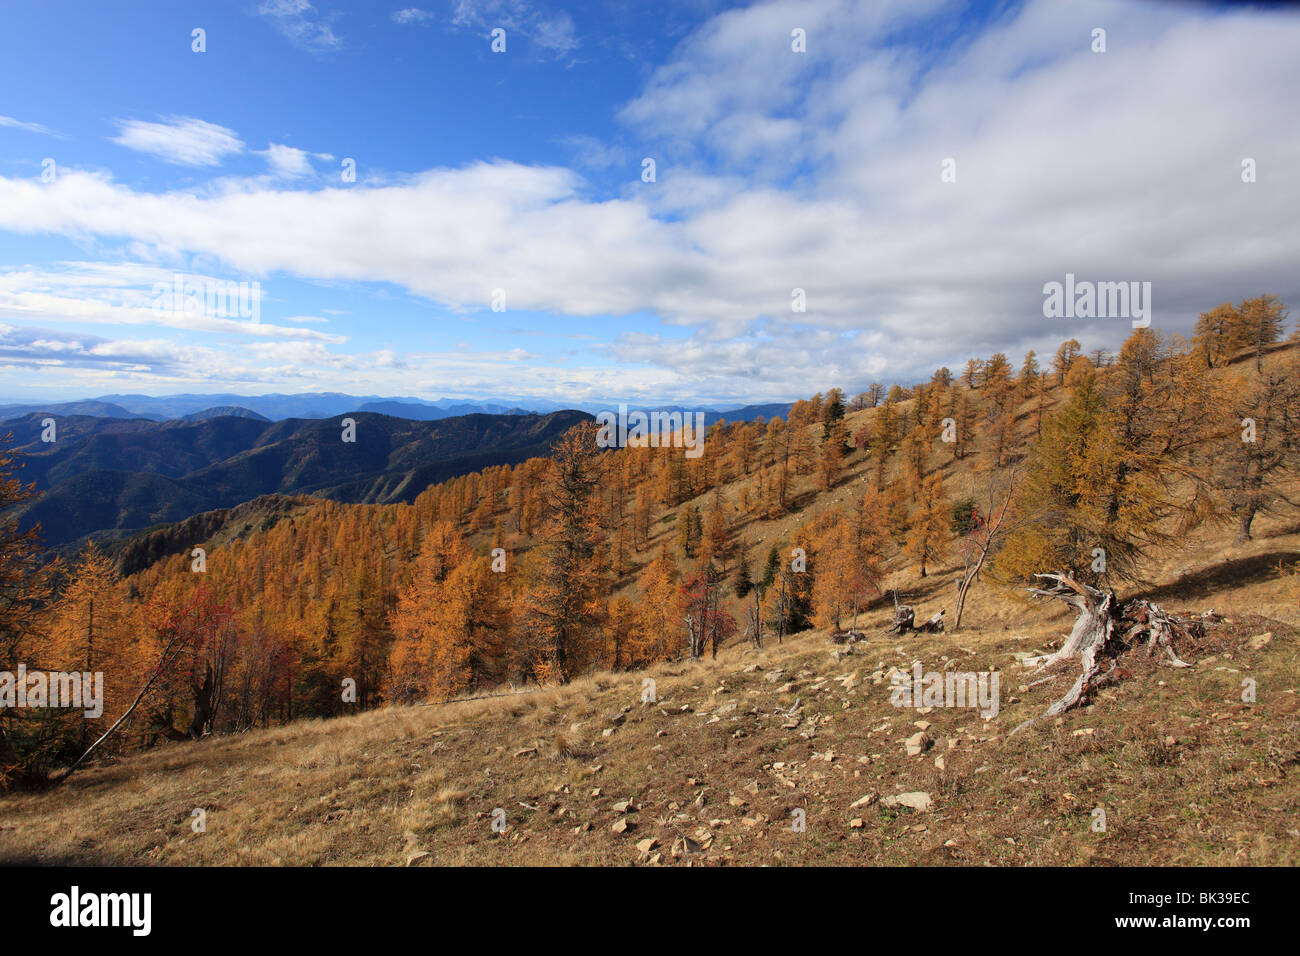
{"x":1186,"y":772}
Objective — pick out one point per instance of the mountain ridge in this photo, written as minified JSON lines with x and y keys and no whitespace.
{"x":111,"y":477}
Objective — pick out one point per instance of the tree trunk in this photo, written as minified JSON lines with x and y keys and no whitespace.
{"x":202,"y":705}
{"x":1244,"y":520}
{"x":1101,"y":633}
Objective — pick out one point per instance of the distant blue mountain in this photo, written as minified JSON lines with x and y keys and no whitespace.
{"x":234,"y":411}
{"x":431,"y":413}
{"x":277,"y":407}
{"x":96,"y":407}
{"x":318,"y":405}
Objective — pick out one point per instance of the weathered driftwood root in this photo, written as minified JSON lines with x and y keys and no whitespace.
{"x":1102,"y":632}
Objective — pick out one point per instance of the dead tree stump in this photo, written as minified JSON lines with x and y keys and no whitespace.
{"x":1102,"y":632}
{"x":904,"y":619}
{"x":934,"y":625}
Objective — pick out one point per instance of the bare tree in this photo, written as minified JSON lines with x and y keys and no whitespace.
{"x":984,"y":538}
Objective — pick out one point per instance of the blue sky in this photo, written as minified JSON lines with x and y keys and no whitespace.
{"x":127,"y":158}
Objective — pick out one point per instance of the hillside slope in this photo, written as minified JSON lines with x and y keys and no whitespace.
{"x":714,"y":771}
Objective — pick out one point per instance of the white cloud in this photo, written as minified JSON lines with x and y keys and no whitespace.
{"x":124,"y":294}
{"x":12,"y":123}
{"x":591,"y":153}
{"x":411,"y":15}
{"x":181,"y":140}
{"x":552,"y":31}
{"x":286,"y":162}
{"x":819,"y":171}
{"x":297,"y":20}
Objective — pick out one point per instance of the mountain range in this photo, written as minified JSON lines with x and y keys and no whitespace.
{"x":277,"y":407}
{"x":109,"y":477}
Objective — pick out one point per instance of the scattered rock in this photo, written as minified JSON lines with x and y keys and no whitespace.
{"x":685,"y":846}
{"x":648,"y":844}
{"x":1260,"y":641}
{"x":917,"y":744}
{"x":917,"y":800}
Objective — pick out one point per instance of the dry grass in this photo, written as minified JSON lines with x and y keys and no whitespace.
{"x":1186,"y":772}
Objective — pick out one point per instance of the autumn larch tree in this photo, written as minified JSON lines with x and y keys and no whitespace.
{"x":174,"y":630}
{"x":450,"y":624}
{"x":1212,"y":336}
{"x":1257,"y":450}
{"x":1103,"y":480}
{"x":846,"y":574}
{"x":655,"y":637}
{"x":1064,"y":359}
{"x":931,"y":525}
{"x":1029,"y":374}
{"x":563,"y":608}
{"x":28,"y":744}
{"x":1256,"y":324}
{"x":832,"y":453}
{"x":91,"y":628}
